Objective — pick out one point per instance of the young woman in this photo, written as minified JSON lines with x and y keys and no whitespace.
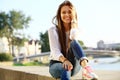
{"x":67,"y":56}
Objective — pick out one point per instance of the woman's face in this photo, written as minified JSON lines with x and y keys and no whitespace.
{"x":66,"y":14}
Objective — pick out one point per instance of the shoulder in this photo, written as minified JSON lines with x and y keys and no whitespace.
{"x":52,"y":32}
{"x":52,"y":29}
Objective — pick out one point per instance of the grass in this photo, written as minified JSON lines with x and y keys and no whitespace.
{"x":31,"y":64}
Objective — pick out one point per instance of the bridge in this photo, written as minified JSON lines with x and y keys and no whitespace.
{"x":92,"y":53}
{"x":102,"y":53}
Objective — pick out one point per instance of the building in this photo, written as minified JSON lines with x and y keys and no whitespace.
{"x":113,"y":46}
{"x":4,"y":48}
{"x":30,"y":48}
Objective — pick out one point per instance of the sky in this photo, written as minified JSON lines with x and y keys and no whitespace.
{"x":97,"y":19}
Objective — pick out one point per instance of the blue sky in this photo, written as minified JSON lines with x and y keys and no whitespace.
{"x":98,"y":19}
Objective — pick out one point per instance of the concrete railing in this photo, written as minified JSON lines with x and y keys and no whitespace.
{"x":8,"y":74}
{"x":93,"y":53}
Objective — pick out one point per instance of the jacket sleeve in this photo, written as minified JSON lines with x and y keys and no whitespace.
{"x":54,"y":44}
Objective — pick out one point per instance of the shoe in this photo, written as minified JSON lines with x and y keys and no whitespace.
{"x":88,"y":74}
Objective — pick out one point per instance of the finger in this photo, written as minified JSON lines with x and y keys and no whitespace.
{"x":70,"y":68}
{"x":65,"y":66}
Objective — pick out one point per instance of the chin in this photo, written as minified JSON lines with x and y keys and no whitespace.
{"x":67,"y":22}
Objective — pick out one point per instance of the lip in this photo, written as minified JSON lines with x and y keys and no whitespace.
{"x":67,"y":19}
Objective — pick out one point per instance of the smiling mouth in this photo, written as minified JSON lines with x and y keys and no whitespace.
{"x":67,"y":19}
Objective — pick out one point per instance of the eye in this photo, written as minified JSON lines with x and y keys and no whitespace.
{"x":69,"y":12}
{"x":64,"y":12}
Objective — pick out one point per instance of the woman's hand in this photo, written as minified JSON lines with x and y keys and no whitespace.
{"x":73,"y":24}
{"x":74,"y":18}
{"x":67,"y":65}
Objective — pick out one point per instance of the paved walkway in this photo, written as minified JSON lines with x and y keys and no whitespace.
{"x":43,"y":70}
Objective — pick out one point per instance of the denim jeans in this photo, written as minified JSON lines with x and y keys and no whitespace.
{"x":76,"y":54}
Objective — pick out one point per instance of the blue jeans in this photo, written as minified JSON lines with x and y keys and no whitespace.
{"x":76,"y":54}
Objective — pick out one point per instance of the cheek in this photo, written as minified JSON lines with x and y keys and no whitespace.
{"x":62,"y":17}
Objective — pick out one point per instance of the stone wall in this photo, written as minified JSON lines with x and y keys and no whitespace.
{"x":7,"y":74}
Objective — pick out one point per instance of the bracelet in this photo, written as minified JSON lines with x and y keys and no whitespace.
{"x":64,"y":60}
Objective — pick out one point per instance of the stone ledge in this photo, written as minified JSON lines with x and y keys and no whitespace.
{"x":42,"y":73}
{"x":8,"y":74}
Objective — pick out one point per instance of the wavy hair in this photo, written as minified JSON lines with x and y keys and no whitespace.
{"x":60,"y":27}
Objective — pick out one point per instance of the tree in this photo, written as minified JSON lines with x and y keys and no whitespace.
{"x":3,"y":23}
{"x":11,"y":23}
{"x":44,"y":41}
{"x":82,"y":44}
{"x":19,"y":42}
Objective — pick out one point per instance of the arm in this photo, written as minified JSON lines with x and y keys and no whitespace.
{"x":55,"y":45}
{"x":56,"y":49}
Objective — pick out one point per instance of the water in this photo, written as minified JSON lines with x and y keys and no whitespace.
{"x":108,"y":63}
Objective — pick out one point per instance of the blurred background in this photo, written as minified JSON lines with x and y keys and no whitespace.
{"x":24,"y":37}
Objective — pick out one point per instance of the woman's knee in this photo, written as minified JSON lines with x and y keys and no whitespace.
{"x":55,"y":70}
{"x":74,"y":43}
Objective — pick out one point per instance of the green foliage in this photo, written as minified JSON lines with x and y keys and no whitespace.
{"x":18,"y":41}
{"x":31,"y":64}
{"x":12,"y":21}
{"x":5,"y":57}
{"x":10,"y":25}
{"x":44,"y":41}
{"x":82,"y":44}
{"x":3,"y":23}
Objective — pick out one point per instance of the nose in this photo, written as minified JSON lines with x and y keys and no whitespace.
{"x":67,"y":14}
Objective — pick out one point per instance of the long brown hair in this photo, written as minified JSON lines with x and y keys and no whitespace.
{"x":60,"y":26}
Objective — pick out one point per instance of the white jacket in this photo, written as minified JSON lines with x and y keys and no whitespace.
{"x":55,"y":48}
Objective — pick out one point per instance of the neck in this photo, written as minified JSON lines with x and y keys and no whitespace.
{"x":67,"y":27}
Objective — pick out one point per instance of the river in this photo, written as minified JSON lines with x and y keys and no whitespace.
{"x":107,"y":63}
